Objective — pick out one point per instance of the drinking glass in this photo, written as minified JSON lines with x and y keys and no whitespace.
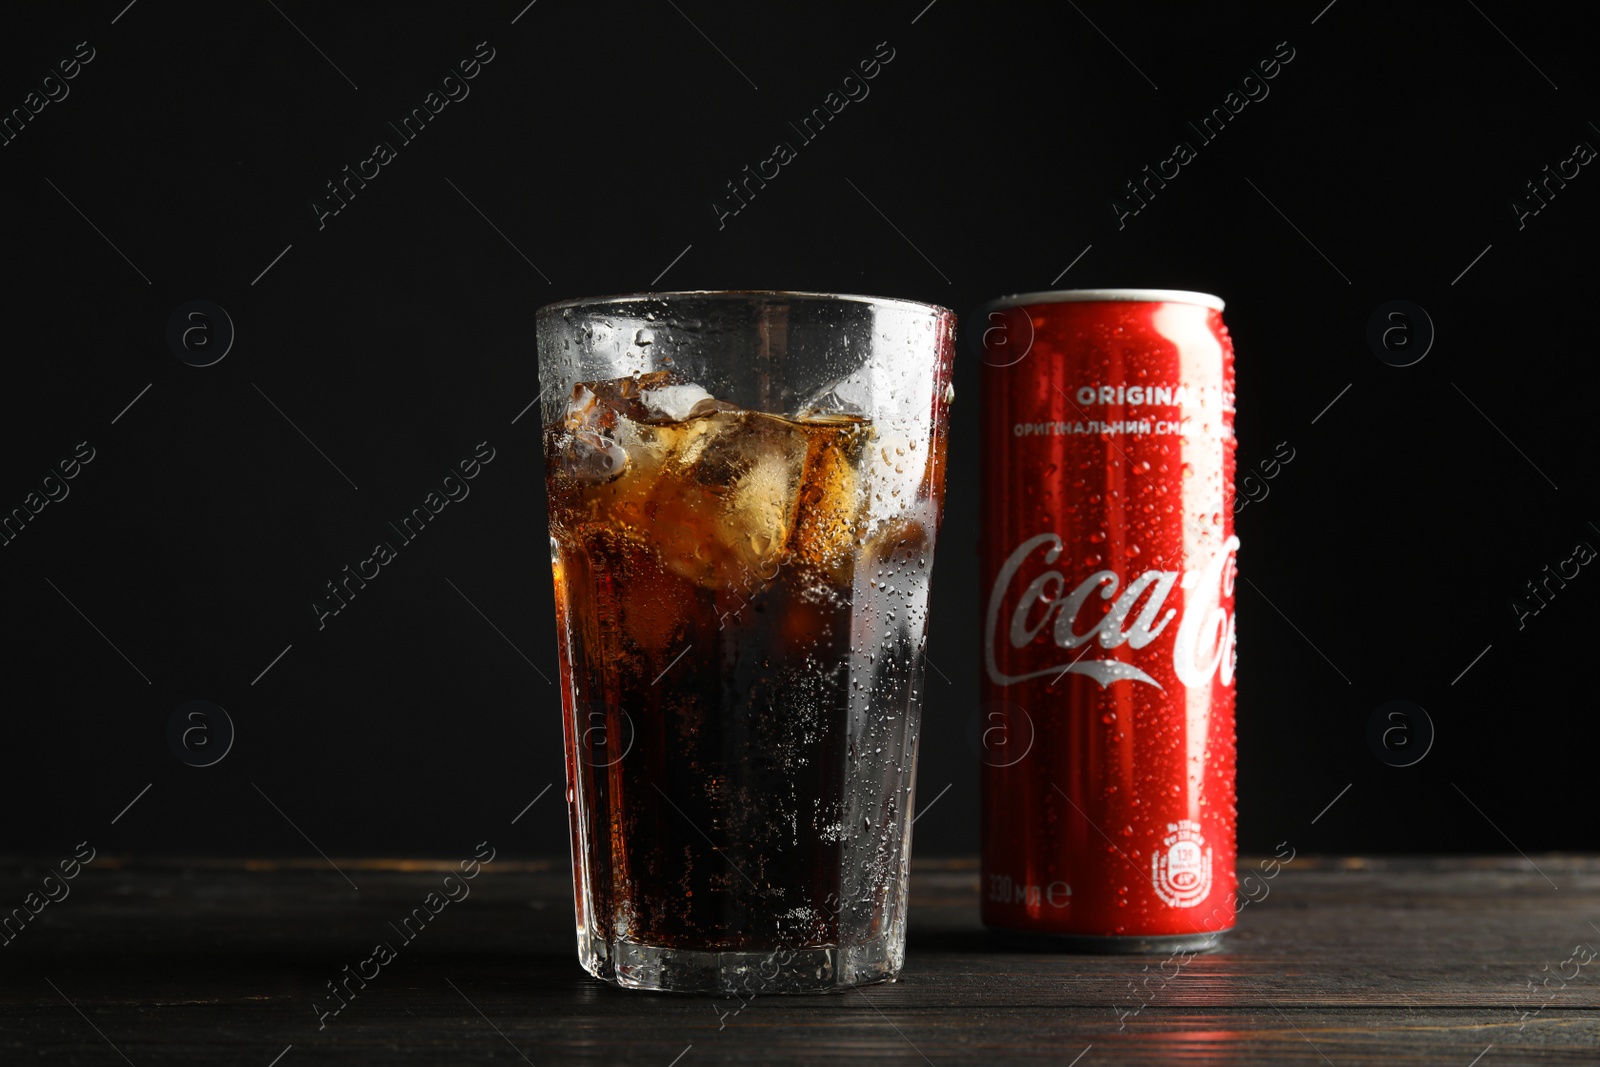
{"x":744,"y":493}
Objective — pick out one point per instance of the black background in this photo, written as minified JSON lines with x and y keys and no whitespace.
{"x":984,"y":160}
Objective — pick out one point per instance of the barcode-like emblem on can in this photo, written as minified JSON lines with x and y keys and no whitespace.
{"x":1182,"y":874}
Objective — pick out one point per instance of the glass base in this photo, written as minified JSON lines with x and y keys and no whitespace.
{"x":817,"y":969}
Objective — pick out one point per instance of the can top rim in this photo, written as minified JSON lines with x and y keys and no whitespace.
{"x":678,"y":294}
{"x":1069,"y":296}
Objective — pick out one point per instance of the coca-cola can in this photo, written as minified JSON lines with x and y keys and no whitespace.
{"x":1108,"y":562}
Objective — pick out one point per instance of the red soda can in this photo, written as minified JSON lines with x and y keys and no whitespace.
{"x":1108,"y":562}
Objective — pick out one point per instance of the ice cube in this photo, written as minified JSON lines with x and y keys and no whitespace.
{"x":588,"y":451}
{"x":833,"y":496}
{"x":761,"y":508}
{"x":605,"y":421}
{"x":892,"y":474}
{"x":713,"y":488}
{"x":710,"y":405}
{"x":596,"y":406}
{"x":850,"y":395}
{"x":725,"y":496}
{"x":591,"y":458}
{"x":660,"y":396}
{"x":672,"y":399}
{"x":673,"y":402}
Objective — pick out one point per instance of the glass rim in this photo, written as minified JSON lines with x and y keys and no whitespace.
{"x":938,"y":310}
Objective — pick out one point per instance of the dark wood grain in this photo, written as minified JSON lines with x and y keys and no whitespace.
{"x":1345,"y":961}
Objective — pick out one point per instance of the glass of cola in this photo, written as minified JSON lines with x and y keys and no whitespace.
{"x":744,"y":490}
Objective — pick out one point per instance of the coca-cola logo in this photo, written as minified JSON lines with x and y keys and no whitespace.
{"x":1202,"y":645}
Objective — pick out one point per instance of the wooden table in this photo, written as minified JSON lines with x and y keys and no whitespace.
{"x":1344,"y":961}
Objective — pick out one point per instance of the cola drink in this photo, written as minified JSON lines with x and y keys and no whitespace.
{"x":741,"y":597}
{"x":1108,"y":566}
{"x":720,"y":542}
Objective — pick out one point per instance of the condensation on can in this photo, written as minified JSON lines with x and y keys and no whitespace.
{"x":1108,"y":565}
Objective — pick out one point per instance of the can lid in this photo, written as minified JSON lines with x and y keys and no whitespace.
{"x":1067,"y":296}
